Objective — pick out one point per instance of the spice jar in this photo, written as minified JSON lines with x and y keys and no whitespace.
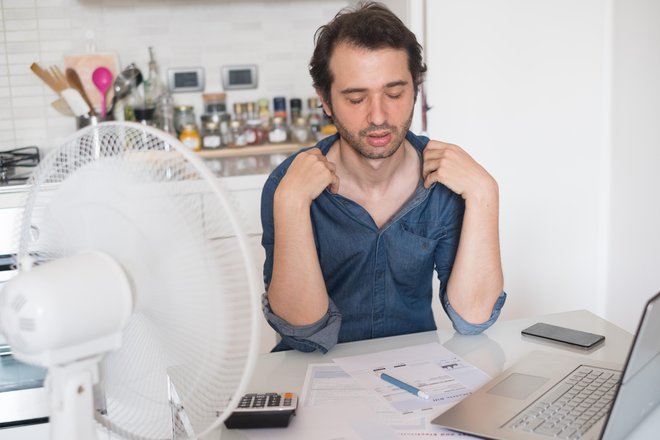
{"x":238,"y":137}
{"x":277,"y":133}
{"x":300,"y":130}
{"x":211,"y":136}
{"x":183,"y":115}
{"x":254,"y":132}
{"x":190,"y":137}
{"x":214,"y":103}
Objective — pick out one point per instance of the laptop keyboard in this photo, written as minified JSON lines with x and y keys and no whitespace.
{"x":571,"y":407}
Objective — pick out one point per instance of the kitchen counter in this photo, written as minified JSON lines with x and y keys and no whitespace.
{"x":260,"y":159}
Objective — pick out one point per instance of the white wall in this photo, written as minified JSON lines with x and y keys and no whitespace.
{"x":276,"y":35}
{"x":520,"y":84}
{"x":634,"y":253}
{"x":529,"y":89}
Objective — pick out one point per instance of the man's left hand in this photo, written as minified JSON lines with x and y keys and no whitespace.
{"x":453,"y":167}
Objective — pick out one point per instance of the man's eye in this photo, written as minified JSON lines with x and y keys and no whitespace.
{"x":356,"y":101}
{"x":397,"y":96}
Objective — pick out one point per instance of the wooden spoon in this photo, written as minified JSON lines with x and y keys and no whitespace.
{"x":74,"y":81}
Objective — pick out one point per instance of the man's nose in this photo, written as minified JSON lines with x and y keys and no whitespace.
{"x":377,"y":112}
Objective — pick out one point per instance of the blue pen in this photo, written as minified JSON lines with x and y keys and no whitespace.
{"x":404,"y":386}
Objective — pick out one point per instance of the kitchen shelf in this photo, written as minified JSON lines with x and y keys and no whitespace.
{"x":257,"y":150}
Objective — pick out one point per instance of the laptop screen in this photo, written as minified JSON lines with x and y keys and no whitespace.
{"x":639,"y":391}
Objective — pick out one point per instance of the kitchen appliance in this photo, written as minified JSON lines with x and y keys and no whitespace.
{"x":135,"y":280}
{"x":16,"y":165}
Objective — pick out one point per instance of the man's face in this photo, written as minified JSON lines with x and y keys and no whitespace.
{"x":372,"y":98}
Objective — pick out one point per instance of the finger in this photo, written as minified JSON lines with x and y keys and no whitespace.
{"x":331,"y":166}
{"x":429,"y":180}
{"x":316,"y":151}
{"x":429,"y":166}
{"x":334,"y":185}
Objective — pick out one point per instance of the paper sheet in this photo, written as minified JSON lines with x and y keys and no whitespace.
{"x":330,"y":384}
{"x":429,"y":367}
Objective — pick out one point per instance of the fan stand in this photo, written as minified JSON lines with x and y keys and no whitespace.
{"x":72,"y":399}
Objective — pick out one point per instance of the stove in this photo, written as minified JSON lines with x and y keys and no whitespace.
{"x":16,"y":165}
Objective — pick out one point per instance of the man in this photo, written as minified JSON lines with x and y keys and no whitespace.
{"x":354,"y":227}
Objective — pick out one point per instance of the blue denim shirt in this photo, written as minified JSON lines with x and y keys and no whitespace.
{"x":379,"y":280}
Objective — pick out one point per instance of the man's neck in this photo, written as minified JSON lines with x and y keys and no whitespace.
{"x":372,"y":174}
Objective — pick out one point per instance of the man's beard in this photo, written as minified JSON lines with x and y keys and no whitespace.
{"x":363,"y":148}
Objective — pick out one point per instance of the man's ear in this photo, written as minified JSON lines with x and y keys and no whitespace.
{"x":326,"y":106}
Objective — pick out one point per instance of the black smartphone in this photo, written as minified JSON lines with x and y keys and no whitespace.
{"x":569,"y":336}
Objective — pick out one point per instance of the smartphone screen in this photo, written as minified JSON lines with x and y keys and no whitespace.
{"x":562,"y":334}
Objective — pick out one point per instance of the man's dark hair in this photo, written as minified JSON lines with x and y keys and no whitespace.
{"x":370,"y":26}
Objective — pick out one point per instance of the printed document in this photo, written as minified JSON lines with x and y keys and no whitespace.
{"x":431,"y":368}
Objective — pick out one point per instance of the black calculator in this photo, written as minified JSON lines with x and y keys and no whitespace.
{"x":264,"y":410}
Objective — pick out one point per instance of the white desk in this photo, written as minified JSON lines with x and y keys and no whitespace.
{"x":495,"y":350}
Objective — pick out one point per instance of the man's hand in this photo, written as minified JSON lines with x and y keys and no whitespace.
{"x":308,"y":175}
{"x":453,"y":167}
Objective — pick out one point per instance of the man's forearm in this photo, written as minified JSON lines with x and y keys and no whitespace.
{"x":476,"y":280}
{"x":297,"y":290}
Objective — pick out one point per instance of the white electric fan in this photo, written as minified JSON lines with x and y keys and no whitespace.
{"x":135,"y":288}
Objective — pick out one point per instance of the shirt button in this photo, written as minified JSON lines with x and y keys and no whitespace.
{"x":379,"y":274}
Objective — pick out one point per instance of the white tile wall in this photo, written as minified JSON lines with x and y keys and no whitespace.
{"x":275,"y":35}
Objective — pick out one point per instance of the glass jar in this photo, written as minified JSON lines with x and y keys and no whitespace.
{"x":214,"y":103}
{"x":254,"y":132}
{"x":190,"y":137}
{"x":300,"y":131}
{"x":211,"y":136}
{"x":144,"y":115}
{"x":238,"y":137}
{"x":277,"y":133}
{"x":183,"y":115}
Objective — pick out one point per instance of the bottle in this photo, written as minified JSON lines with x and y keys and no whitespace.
{"x":214,"y":103}
{"x":134,"y":100}
{"x":152,"y":86}
{"x":279,"y":107}
{"x":238,"y":111}
{"x":237,"y":130}
{"x":295,"y":105}
{"x":264,"y":113}
{"x":254,"y":132}
{"x":211,"y":135}
{"x":165,"y":113}
{"x":300,"y":132}
{"x":190,"y":137}
{"x":315,"y":117}
{"x":277,"y":133}
{"x":183,"y":115}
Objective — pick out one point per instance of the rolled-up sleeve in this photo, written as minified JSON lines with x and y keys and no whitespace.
{"x":321,"y":335}
{"x":467,"y":328}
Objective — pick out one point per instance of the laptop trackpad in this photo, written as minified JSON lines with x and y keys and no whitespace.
{"x":518,"y":386}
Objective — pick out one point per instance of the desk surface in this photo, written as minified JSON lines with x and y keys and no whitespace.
{"x":493,"y":351}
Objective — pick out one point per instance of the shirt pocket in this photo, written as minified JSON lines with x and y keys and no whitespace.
{"x":411,"y":257}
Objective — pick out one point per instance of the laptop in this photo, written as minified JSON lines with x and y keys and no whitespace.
{"x":552,"y":396}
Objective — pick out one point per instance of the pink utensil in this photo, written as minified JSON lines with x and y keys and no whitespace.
{"x":102,"y":79}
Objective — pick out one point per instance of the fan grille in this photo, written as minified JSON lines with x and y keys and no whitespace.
{"x":138,"y":195}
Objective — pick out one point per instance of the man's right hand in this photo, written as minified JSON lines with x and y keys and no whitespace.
{"x":308,"y":175}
